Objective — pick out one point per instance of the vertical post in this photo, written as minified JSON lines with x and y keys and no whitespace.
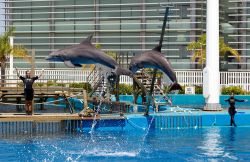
{"x":117,"y":88}
{"x":150,"y":97}
{"x":33,"y":62}
{"x":97,"y":20}
{"x":33,"y":73}
{"x":143,"y":25}
{"x":211,"y":74}
{"x":85,"y":100}
{"x":11,"y":39}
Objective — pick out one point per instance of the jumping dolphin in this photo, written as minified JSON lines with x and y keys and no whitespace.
{"x":83,"y":53}
{"x":154,"y":59}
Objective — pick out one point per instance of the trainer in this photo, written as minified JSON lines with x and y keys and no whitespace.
{"x":28,"y":89}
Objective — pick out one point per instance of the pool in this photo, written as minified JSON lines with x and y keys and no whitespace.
{"x":201,"y":144}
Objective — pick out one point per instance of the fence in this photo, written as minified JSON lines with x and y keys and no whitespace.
{"x":184,"y":77}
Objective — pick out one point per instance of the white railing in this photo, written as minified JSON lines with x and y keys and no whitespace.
{"x":184,"y":77}
{"x":241,"y":79}
{"x":188,"y":78}
{"x":60,"y":75}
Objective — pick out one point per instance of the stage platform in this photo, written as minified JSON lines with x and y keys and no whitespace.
{"x":51,"y":117}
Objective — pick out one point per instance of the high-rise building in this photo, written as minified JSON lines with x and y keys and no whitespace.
{"x":126,"y":27}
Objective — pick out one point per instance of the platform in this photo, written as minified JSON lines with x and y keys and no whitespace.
{"x":51,"y":117}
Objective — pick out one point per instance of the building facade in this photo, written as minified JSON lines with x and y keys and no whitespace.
{"x":126,"y":27}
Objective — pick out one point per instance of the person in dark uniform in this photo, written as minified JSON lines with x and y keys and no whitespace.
{"x":231,"y":110}
{"x":112,"y":80}
{"x":28,"y":89}
{"x":95,"y":104}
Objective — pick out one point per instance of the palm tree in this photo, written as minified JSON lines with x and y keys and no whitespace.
{"x":6,"y":48}
{"x":199,"y":48}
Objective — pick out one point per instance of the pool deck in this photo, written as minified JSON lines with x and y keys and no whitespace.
{"x":51,"y":117}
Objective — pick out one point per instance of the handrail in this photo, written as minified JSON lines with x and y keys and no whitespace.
{"x":91,"y":73}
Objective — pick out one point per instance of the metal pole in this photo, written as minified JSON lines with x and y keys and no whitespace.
{"x":85,"y":100}
{"x":160,"y":44}
{"x":164,"y":26}
{"x":150,"y":97}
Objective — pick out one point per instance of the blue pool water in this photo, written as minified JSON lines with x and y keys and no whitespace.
{"x":204,"y":144}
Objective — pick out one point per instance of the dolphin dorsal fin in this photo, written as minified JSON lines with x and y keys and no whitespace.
{"x":87,"y":40}
{"x":157,"y":48}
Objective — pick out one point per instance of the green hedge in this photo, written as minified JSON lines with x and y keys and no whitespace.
{"x":51,"y":83}
{"x":125,"y":89}
{"x":198,"y":89}
{"x":85,"y":86}
{"x":237,"y":90}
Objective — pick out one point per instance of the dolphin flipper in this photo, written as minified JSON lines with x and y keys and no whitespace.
{"x":69,"y":64}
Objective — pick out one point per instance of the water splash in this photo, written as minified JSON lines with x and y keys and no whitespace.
{"x":98,"y":107}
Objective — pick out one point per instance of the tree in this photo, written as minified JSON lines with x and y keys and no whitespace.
{"x":199,"y":48}
{"x":6,"y":49}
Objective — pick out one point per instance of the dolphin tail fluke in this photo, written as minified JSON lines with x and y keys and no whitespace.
{"x":174,"y":86}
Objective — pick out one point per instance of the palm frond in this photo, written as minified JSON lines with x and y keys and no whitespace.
{"x":20,"y":51}
{"x":200,"y":44}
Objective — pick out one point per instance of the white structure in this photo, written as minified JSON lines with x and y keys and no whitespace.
{"x":11,"y":69}
{"x":11,"y":56}
{"x":211,"y":74}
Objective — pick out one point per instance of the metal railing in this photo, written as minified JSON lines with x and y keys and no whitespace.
{"x":185,"y":77}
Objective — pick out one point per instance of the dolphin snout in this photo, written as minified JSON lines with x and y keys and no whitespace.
{"x":48,"y":58}
{"x":54,"y":56}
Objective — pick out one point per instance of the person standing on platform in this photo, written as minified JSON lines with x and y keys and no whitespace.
{"x":231,"y":110}
{"x":28,"y":89}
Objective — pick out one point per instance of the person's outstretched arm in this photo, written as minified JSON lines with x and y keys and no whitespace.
{"x":17,"y":72}
{"x":41,"y":74}
{"x":240,"y":100}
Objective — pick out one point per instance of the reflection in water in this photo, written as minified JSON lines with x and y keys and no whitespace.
{"x":232,"y":134}
{"x":231,"y":144}
{"x":211,"y":146}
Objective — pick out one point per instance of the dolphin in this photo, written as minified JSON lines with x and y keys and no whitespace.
{"x":154,"y":59}
{"x":83,"y":53}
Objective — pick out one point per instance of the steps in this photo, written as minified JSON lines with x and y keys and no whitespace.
{"x":146,"y":80}
{"x":97,"y":81}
